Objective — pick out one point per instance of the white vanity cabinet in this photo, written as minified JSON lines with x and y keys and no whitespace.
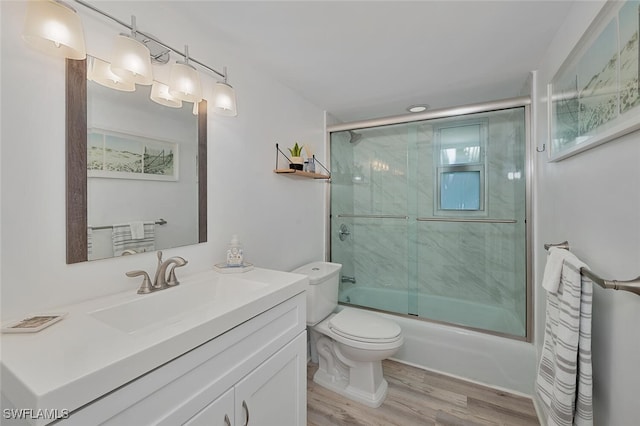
{"x":269,"y":395}
{"x":219,"y":413}
{"x":254,"y":374}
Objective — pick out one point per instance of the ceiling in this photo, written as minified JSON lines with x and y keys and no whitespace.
{"x":366,"y":59}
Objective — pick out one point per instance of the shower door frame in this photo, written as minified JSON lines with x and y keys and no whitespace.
{"x":458,"y":111}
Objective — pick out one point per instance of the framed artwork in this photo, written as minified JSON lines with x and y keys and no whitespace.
{"x":595,"y":96}
{"x":123,"y":156}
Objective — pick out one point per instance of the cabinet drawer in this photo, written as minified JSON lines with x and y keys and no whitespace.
{"x":174,"y":392}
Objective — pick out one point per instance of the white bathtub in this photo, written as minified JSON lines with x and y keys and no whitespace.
{"x":491,"y":360}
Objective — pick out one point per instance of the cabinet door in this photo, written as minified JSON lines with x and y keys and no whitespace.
{"x":218,"y":413}
{"x":275,"y":393}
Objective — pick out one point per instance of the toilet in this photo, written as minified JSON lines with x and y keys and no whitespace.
{"x":349,"y":345}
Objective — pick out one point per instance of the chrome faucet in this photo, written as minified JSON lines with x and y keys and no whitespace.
{"x":348,"y":279}
{"x":160,"y":281}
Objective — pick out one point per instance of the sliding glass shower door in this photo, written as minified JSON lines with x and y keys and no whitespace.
{"x":369,"y":193}
{"x":428,"y":219}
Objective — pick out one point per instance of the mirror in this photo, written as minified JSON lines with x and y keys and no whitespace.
{"x":131,"y":163}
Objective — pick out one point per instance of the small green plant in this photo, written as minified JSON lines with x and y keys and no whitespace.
{"x":296,"y":151}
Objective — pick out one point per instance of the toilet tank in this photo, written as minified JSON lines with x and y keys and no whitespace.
{"x":322,"y":292}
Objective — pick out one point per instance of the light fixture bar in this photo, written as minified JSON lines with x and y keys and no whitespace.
{"x":132,"y":28}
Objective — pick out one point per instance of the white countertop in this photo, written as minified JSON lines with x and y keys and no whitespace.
{"x":80,"y":358}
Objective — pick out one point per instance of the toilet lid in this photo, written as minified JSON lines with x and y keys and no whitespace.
{"x":364,"y":327}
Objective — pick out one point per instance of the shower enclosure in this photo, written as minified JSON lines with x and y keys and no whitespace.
{"x":429,"y":217}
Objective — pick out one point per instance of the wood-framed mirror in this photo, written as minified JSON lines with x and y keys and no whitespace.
{"x":85,"y":188}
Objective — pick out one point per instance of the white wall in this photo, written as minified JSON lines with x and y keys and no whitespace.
{"x":279,"y":219}
{"x":592,"y":200}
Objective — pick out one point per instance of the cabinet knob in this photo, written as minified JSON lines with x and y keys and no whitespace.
{"x":246,"y":409}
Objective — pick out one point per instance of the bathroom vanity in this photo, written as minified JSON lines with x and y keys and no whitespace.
{"x":219,"y":349}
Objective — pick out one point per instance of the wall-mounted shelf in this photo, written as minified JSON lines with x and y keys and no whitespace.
{"x":300,"y":173}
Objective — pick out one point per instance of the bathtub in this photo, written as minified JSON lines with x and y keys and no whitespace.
{"x":487,"y":359}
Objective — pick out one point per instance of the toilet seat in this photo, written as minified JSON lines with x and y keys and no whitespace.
{"x":362,"y":327}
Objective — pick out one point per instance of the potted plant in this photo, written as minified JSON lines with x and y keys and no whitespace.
{"x":297,"y":162}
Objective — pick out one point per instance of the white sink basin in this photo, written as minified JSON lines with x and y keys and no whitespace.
{"x":170,"y":305}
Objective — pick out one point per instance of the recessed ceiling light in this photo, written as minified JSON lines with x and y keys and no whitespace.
{"x":418,"y":108}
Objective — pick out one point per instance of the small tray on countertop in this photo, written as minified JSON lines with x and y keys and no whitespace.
{"x":228,"y":269}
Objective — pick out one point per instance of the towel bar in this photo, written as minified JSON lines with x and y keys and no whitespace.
{"x":157,"y":222}
{"x":631,"y":285}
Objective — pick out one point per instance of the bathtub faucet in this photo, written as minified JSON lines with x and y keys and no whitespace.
{"x":348,"y":279}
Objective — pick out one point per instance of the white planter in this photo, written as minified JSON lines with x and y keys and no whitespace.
{"x":297,"y":163}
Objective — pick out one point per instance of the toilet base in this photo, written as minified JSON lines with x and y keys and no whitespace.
{"x":341,"y":386}
{"x":350,"y":367}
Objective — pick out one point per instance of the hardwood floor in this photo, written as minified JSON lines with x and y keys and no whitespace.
{"x":419,"y":397}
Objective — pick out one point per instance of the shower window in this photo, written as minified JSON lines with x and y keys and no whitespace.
{"x":461,"y":188}
{"x":460,"y":167}
{"x":461,"y":144}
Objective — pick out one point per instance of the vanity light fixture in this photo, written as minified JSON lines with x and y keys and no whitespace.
{"x":184,"y":82}
{"x":132,"y":54}
{"x":160,"y":94}
{"x":224,"y":98}
{"x":100,"y":72}
{"x":131,"y":59}
{"x":53,"y":27}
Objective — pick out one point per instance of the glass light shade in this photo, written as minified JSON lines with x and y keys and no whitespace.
{"x":100,"y":72}
{"x":160,"y":94}
{"x":131,"y":60}
{"x":224,"y":99}
{"x":184,"y":83}
{"x":55,"y":29}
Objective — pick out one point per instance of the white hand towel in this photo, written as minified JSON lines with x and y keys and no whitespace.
{"x":553,"y":268}
{"x":137,"y":230}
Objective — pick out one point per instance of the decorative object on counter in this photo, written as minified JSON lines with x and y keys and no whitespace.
{"x":33,"y":323}
{"x":297,"y":163}
{"x":235,"y":254}
{"x":235,"y":259}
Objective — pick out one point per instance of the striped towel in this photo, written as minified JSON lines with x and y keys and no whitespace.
{"x":122,"y":239}
{"x":564,"y":380}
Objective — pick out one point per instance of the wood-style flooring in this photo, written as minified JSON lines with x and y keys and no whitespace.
{"x":419,"y":397}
